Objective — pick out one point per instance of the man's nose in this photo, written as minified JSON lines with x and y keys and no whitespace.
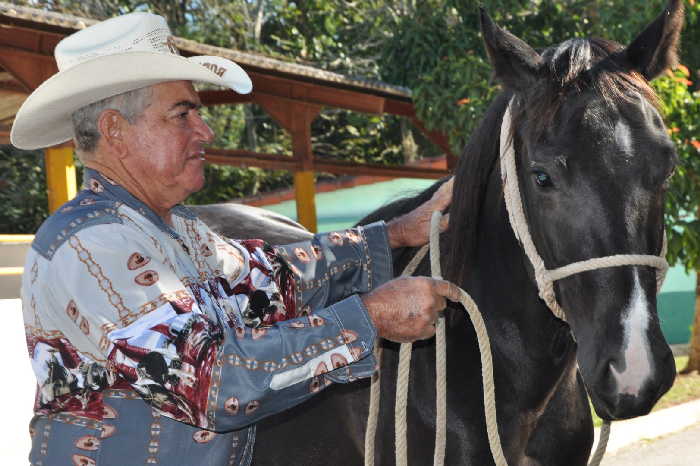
{"x":202,"y":129}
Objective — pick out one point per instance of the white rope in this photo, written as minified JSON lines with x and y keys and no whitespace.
{"x":545,"y":278}
{"x":375,"y":388}
{"x":440,"y":370}
{"x":545,"y":284}
{"x":440,"y":350}
{"x":373,"y":415}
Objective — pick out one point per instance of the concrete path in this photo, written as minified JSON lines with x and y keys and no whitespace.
{"x":628,"y":438}
{"x":16,"y":391}
{"x":656,"y":424}
{"x":678,"y":449}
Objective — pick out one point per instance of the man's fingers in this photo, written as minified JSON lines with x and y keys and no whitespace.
{"x":444,"y":222}
{"x":447,"y":289}
{"x":443,"y":196}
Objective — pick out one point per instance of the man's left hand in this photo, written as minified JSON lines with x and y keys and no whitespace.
{"x":413,"y":229}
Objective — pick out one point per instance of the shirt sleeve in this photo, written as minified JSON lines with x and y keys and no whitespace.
{"x":175,"y":341}
{"x":332,"y":266}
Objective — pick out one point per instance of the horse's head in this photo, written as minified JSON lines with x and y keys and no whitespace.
{"x":593,"y":159}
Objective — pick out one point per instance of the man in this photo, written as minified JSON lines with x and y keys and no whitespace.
{"x":154,"y":340}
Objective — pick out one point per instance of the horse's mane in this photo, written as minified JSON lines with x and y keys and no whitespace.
{"x":471,"y":179}
{"x":395,"y":209}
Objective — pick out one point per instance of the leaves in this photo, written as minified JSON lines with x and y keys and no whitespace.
{"x":22,"y":190}
{"x":432,"y":47}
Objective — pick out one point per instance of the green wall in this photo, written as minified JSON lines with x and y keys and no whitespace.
{"x":676,"y":305}
{"x":340,"y":209}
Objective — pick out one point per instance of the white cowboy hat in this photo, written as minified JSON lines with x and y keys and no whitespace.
{"x":115,"y":56}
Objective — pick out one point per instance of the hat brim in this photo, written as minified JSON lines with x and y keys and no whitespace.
{"x":44,"y":119}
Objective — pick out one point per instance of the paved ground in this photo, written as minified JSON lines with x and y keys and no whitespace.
{"x":624,"y":447}
{"x":678,"y":449}
{"x":18,"y":392}
{"x":654,"y":425}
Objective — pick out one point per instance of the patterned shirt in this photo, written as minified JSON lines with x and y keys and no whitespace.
{"x":158,"y":344}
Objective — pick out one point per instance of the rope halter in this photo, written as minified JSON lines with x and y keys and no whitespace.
{"x":545,"y":278}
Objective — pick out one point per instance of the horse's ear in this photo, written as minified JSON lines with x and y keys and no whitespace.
{"x":656,"y":48}
{"x":515,"y":63}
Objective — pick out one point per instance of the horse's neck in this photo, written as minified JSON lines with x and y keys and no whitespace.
{"x":500,"y":279}
{"x":520,"y":326}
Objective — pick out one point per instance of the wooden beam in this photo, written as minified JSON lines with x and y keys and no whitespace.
{"x":8,"y":84}
{"x":439,"y":139}
{"x":212,"y":97}
{"x":244,"y":158}
{"x":60,"y":176}
{"x":266,"y":86}
{"x":10,"y":103}
{"x":29,"y":68}
{"x":348,"y":168}
{"x":399,"y":107}
{"x":276,"y":101}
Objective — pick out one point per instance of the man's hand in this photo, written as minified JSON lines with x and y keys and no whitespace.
{"x":406,"y":309}
{"x":412,"y":229}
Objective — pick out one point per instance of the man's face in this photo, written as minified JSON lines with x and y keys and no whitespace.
{"x":166,"y":144}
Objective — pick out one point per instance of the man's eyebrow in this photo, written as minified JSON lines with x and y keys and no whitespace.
{"x":185,"y":103}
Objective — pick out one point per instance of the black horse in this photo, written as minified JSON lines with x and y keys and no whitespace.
{"x":593,"y":158}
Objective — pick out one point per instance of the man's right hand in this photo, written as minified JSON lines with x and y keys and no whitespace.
{"x":406,"y":309}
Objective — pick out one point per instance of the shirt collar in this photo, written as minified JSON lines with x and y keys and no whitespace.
{"x":110,"y":189}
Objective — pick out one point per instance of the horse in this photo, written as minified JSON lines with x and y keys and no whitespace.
{"x":593,"y":160}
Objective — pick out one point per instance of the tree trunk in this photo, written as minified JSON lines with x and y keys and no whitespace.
{"x":251,"y":135}
{"x":410,"y":148}
{"x":694,"y":349}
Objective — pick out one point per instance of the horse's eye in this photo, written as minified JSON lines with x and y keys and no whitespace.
{"x":542,"y":179}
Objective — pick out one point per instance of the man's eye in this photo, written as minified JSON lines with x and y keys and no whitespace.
{"x":542,"y":179}
{"x":183,"y":115}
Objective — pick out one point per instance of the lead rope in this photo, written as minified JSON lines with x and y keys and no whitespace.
{"x":402,"y":379}
{"x":545,"y":285}
{"x":440,"y":374}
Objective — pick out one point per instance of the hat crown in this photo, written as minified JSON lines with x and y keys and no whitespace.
{"x":134,"y":32}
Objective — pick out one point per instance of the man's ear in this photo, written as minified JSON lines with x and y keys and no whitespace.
{"x":515,"y":63}
{"x":656,"y":48}
{"x":112,"y":125}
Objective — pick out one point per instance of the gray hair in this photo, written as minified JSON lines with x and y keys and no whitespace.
{"x":130,"y":104}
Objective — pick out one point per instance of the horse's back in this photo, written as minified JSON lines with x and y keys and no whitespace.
{"x":240,"y":221}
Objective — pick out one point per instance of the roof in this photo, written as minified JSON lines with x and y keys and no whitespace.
{"x":64,"y":24}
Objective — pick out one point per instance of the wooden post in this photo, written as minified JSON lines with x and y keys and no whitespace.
{"x":304,"y":192}
{"x":296,"y":117}
{"x":304,"y":186}
{"x":60,"y":176}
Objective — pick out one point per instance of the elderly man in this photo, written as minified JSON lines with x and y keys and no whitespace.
{"x":153,"y":339}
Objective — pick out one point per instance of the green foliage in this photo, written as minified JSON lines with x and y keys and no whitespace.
{"x":430,"y":46}
{"x":22,"y":190}
{"x":681,"y":108}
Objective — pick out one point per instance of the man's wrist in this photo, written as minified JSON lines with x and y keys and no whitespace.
{"x":394,"y":231}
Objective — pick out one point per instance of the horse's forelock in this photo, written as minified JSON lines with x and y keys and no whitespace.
{"x":575,"y":66}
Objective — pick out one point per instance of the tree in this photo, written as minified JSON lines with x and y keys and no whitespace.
{"x":22,"y":190}
{"x":682,"y":107}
